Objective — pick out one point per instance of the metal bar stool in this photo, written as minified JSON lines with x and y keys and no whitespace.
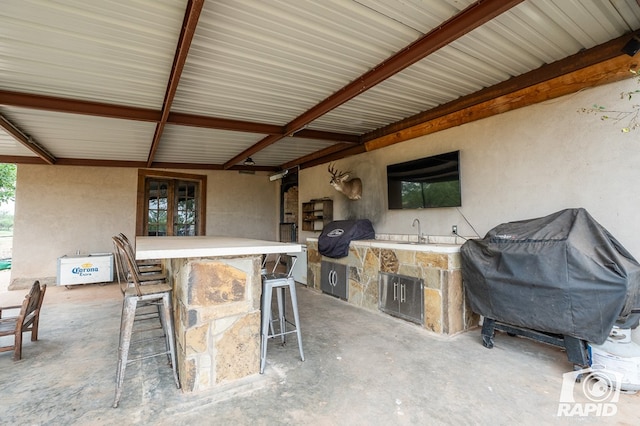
{"x":145,"y":277}
{"x":278,"y":282}
{"x":158,"y":294}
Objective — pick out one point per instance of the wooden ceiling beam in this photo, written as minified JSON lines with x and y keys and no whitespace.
{"x":182,"y":119}
{"x":21,"y":159}
{"x":196,"y":166}
{"x":334,"y":156}
{"x":26,"y":140}
{"x":324,"y":154}
{"x":328,"y":136}
{"x":610,"y":71}
{"x":98,"y":109}
{"x":191,"y":16}
{"x":75,"y":106}
{"x":90,"y":162}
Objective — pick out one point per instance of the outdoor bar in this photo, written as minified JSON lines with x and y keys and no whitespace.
{"x":216,"y":303}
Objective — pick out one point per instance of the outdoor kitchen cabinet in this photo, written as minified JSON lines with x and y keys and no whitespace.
{"x":333,"y":279}
{"x":402,"y":296}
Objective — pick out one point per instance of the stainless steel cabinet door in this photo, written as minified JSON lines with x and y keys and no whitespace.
{"x":402,"y":296}
{"x":412,"y":299}
{"x":389,"y":297}
{"x":333,"y":279}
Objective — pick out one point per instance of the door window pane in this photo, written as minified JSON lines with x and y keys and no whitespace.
{"x":158,"y":193}
{"x":186,"y":208}
{"x":172,"y":207}
{"x":170,"y":204}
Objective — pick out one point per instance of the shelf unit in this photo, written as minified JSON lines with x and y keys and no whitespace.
{"x":316,"y":214}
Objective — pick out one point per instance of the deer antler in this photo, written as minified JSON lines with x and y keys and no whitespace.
{"x":335,"y":173}
{"x":331,"y":170}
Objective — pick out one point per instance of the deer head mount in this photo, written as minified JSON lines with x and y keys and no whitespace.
{"x":351,"y":188}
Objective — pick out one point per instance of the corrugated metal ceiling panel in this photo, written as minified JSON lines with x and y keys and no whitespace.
{"x":10,"y":146}
{"x":73,"y":136}
{"x":530,"y":35}
{"x":205,"y":146}
{"x":202,"y":146}
{"x":287,"y":149}
{"x":117,"y":52}
{"x":271,"y":61}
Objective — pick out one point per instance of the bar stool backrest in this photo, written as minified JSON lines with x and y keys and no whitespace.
{"x":127,"y":252}
{"x":122,"y":271}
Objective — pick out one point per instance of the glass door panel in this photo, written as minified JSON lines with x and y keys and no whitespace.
{"x":158,"y":202}
{"x":185,"y":209}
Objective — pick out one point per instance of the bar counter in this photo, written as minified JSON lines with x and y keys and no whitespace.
{"x":216,"y":303}
{"x":182,"y":247}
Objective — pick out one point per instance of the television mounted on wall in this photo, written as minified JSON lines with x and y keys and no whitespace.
{"x":425,"y":183}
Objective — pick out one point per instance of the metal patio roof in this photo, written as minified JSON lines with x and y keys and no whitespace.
{"x":208,"y":83}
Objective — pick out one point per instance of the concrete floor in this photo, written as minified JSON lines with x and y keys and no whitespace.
{"x":361,"y":368}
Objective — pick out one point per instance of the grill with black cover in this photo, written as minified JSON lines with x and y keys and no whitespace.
{"x":335,"y":236}
{"x":562,"y":274}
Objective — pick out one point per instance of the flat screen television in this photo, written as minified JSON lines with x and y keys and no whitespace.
{"x":427,"y":182}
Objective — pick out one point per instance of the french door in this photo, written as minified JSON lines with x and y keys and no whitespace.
{"x":170,"y":205}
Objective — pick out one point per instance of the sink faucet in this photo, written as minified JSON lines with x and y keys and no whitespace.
{"x":420,"y":237}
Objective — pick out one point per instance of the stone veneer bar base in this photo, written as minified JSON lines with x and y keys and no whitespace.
{"x":217,"y":319}
{"x":446,"y":310}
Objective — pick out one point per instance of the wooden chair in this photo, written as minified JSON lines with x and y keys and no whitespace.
{"x":27,"y":320}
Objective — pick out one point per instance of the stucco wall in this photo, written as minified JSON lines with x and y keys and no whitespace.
{"x":63,"y":209}
{"x":242,"y":205}
{"x":518,"y":165}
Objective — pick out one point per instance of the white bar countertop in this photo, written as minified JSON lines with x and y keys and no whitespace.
{"x":204,"y":246}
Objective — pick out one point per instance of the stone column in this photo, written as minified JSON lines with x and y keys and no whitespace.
{"x":217,"y":318}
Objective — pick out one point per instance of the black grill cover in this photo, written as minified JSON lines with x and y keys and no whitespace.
{"x":335,"y":236}
{"x":562,"y":274}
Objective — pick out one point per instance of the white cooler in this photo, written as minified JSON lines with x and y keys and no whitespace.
{"x":85,"y":269}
